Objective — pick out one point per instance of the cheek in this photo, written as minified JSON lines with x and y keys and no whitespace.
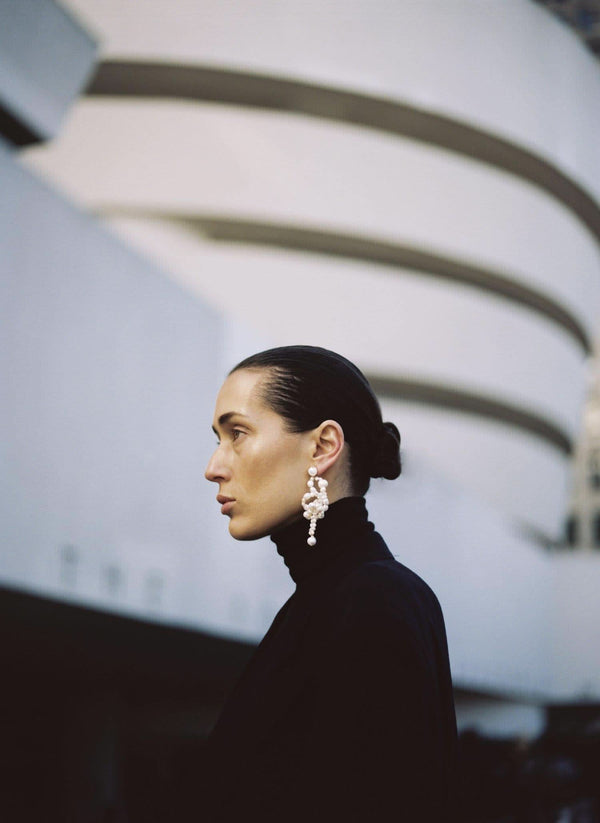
{"x":280,"y":478}
{"x":294,"y":484}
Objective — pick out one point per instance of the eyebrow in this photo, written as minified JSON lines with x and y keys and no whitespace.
{"x":226,"y":417}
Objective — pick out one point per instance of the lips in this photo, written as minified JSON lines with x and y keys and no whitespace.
{"x":226,"y":503}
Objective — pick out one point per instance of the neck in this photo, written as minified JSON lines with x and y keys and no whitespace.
{"x":343,"y":528}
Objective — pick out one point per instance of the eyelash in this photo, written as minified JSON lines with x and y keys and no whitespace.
{"x":235,"y":433}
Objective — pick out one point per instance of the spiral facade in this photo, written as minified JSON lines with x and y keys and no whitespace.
{"x":349,"y":175}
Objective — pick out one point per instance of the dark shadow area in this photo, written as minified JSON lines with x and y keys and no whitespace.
{"x":554,"y":779}
{"x":103,"y":719}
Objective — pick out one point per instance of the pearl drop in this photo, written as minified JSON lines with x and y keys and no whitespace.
{"x":312,"y":471}
{"x":311,"y":541}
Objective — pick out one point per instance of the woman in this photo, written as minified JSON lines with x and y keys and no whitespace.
{"x":345,"y":711}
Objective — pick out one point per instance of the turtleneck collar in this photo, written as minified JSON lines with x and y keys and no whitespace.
{"x":345,"y":525}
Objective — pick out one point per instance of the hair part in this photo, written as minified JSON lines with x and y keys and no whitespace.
{"x":307,"y":385}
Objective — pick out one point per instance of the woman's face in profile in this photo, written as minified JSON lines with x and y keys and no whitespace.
{"x":261,"y":468}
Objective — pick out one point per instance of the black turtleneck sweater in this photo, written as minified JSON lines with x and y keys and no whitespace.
{"x":345,"y":711}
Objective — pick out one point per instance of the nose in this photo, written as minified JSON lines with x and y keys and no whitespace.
{"x":216,"y":470}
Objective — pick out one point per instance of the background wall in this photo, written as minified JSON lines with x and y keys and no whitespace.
{"x":264,"y":153}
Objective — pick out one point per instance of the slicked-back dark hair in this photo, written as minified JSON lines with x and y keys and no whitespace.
{"x":307,"y":385}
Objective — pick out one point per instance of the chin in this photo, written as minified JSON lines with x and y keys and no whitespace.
{"x":239,"y":531}
{"x":241,"y":528}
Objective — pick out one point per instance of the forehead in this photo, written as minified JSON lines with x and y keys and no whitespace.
{"x":240,"y":394}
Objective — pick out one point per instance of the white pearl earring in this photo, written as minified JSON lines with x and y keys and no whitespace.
{"x":315,"y":503}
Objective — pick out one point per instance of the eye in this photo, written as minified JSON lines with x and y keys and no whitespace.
{"x":235,"y":433}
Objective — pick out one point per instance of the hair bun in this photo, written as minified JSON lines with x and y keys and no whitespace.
{"x":386,"y":460}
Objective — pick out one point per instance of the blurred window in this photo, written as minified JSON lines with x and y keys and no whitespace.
{"x":594,"y":468}
{"x":69,"y":560}
{"x":114,"y":579}
{"x":571,"y":530}
{"x":596,"y":530}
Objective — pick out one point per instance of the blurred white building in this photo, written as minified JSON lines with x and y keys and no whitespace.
{"x":415,"y":185}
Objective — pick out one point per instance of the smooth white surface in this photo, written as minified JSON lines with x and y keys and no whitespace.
{"x":187,"y":159}
{"x":392,"y":322}
{"x":306,"y":173}
{"x":520,"y":475}
{"x":507,"y":66}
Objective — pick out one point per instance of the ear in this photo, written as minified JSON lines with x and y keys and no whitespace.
{"x":328,"y":443}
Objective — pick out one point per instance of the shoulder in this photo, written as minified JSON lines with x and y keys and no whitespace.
{"x":384,"y":602}
{"x":383,"y":623}
{"x":386,"y":586}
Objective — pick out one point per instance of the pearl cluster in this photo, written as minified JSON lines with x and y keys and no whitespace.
{"x":315,"y":503}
